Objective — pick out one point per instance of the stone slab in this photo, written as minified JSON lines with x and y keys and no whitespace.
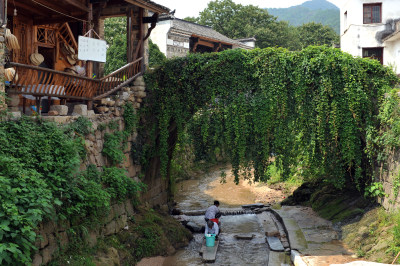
{"x":255,"y":205}
{"x":296,"y":237}
{"x":275,"y":244}
{"x":278,"y":259}
{"x":268,"y":224}
{"x":80,"y":109}
{"x":244,"y":236}
{"x":210,"y":253}
{"x":60,"y":109}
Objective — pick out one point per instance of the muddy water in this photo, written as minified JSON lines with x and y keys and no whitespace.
{"x":200,"y":193}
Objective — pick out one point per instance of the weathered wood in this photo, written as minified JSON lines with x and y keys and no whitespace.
{"x":149,"y":6}
{"x":77,"y":4}
{"x":210,"y":253}
{"x":40,"y":81}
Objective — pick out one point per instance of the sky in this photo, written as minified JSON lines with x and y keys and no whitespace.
{"x":191,"y":8}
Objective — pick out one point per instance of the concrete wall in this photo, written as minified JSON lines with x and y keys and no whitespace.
{"x":355,"y":35}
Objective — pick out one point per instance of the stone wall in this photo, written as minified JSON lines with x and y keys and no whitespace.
{"x":54,"y":236}
{"x":3,"y":105}
{"x":389,"y":176}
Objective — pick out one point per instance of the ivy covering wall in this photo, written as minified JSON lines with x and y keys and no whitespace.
{"x":314,"y":110}
{"x":40,"y":181}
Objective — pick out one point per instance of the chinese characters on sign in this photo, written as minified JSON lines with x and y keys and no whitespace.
{"x":92,"y":49}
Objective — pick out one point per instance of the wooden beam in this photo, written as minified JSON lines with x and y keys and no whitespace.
{"x":205,"y":43}
{"x":210,"y":40}
{"x":217,"y":47}
{"x":77,"y":4}
{"x":153,"y":25}
{"x":152,"y":19}
{"x":148,"y":6}
{"x":48,"y":5}
{"x":114,"y":10}
{"x":55,"y":19}
{"x":30,"y":8}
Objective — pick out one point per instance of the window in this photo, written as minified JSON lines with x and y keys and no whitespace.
{"x":374,"y":53}
{"x":372,"y":13}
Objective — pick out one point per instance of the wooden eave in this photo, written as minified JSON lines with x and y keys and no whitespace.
{"x":47,"y":11}
{"x":210,"y":39}
{"x":149,"y":6}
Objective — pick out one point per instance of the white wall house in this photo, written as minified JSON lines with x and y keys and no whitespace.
{"x":371,"y":28}
{"x":176,"y":38}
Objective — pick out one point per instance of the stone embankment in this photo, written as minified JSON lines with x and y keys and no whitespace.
{"x":109,"y":110}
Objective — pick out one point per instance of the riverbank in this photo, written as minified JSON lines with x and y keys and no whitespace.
{"x":364,"y":227}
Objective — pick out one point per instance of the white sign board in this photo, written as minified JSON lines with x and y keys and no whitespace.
{"x":92,"y":49}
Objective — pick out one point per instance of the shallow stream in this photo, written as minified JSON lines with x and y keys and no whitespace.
{"x":200,"y":194}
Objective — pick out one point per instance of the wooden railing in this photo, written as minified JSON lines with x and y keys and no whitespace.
{"x":119,"y":78}
{"x":37,"y":81}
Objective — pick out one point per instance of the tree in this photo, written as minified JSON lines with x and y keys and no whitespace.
{"x":191,"y":19}
{"x":156,"y":57}
{"x":115,"y":36}
{"x":238,"y":21}
{"x":316,"y":34}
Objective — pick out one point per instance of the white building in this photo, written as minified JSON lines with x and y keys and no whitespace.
{"x":371,"y":28}
{"x":176,"y":38}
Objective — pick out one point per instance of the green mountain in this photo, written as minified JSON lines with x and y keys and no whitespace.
{"x":320,"y":11}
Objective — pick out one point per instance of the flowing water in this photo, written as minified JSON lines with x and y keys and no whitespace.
{"x":230,"y":251}
{"x":198,"y":195}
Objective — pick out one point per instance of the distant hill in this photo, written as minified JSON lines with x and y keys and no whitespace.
{"x":320,"y":11}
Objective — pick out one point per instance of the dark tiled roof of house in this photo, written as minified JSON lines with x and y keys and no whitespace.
{"x":158,"y":5}
{"x":204,"y":31}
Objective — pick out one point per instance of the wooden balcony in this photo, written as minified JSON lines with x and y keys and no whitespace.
{"x":41,"y":82}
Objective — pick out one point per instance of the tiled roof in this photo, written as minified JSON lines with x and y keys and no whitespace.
{"x":158,"y":5}
{"x":204,"y":31}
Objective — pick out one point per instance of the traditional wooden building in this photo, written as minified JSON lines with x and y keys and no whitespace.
{"x":177,"y":37}
{"x":42,"y":38}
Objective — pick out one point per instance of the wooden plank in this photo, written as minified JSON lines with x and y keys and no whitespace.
{"x":149,"y":6}
{"x":77,"y":4}
{"x":205,"y":43}
{"x":210,"y":253}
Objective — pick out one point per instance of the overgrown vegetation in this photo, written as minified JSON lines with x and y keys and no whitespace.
{"x":314,"y":110}
{"x":40,"y":180}
{"x":376,"y":236}
{"x":115,"y":142}
{"x":115,"y":36}
{"x":149,"y":233}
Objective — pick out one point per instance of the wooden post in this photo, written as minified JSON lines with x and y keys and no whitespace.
{"x":139,"y":47}
{"x":89,"y":65}
{"x":129,"y":37}
{"x":96,"y":65}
